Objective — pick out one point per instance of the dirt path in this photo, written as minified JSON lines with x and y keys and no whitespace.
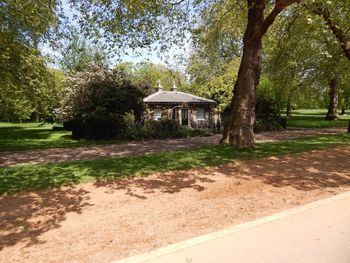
{"x":141,"y":147}
{"x":99,"y":223}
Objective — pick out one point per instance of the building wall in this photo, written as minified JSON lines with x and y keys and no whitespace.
{"x":167,"y":113}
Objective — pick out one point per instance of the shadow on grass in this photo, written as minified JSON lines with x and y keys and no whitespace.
{"x":19,"y":133}
{"x":25,"y":216}
{"x":29,"y":136}
{"x":100,"y":171}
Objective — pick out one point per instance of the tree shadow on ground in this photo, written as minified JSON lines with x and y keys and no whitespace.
{"x":305,"y":172}
{"x":324,"y":170}
{"x":170,"y":183}
{"x":25,"y":216}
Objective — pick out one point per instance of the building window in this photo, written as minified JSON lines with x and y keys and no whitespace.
{"x":200,"y":114}
{"x":157,"y":114}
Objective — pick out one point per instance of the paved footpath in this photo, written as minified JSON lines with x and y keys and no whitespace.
{"x":9,"y":158}
{"x":315,"y":233}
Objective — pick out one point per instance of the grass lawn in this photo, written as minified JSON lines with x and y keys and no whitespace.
{"x":315,"y":119}
{"x":26,"y":136}
{"x":32,"y":177}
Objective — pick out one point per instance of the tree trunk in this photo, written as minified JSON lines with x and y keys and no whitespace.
{"x":37,"y":116}
{"x":289,"y":105}
{"x":332,"y":113}
{"x":238,"y":128}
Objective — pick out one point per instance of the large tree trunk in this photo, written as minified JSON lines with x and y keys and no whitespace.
{"x":332,"y":113}
{"x":238,"y":128}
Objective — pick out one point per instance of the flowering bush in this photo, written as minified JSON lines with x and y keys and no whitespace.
{"x":97,"y":103}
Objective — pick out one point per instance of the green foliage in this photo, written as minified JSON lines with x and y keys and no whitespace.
{"x":97,"y":101}
{"x":160,"y":130}
{"x":31,"y":87}
{"x":146,"y":74}
{"x":267,"y":114}
{"x":27,"y":22}
{"x":216,"y":86}
{"x":26,"y":84}
{"x":78,"y":54}
{"x":302,"y":62}
{"x":34,"y":177}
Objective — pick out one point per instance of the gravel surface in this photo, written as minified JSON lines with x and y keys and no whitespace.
{"x":104,"y":222}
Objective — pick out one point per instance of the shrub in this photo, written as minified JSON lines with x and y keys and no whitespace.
{"x":160,"y":130}
{"x":267,"y":115}
{"x":99,"y":104}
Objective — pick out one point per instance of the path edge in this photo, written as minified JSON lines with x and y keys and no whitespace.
{"x":173,"y":248}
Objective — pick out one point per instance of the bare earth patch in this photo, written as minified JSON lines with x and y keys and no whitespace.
{"x":105,"y":222}
{"x":10,"y":158}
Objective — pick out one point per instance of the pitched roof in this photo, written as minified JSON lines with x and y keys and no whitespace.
{"x":175,"y":97}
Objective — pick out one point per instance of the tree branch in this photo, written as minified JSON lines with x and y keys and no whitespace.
{"x":336,"y":30}
{"x":278,"y":8}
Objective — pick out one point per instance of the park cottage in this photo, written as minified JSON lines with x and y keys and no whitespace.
{"x":186,"y":109}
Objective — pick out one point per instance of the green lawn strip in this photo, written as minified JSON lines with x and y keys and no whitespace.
{"x":316,"y":122}
{"x":29,"y":136}
{"x":33,"y":177}
{"x":315,"y":118}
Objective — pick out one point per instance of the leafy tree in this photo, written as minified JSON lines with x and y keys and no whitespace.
{"x":336,"y":17}
{"x":303,"y":62}
{"x":34,"y":89}
{"x":212,"y":83}
{"x":146,"y":75}
{"x":78,"y":54}
{"x":24,"y":77}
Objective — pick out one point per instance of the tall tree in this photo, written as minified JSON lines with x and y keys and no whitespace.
{"x":146,"y":75}
{"x":238,"y":129}
{"x":24,"y":76}
{"x":305,"y":61}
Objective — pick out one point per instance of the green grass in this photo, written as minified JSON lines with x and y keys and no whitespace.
{"x":315,"y":119}
{"x":27,"y":136}
{"x":33,"y":177}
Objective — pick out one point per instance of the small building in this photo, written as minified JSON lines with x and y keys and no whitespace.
{"x":186,"y":109}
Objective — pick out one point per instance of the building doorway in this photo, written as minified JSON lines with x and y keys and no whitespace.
{"x":184,"y":117}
